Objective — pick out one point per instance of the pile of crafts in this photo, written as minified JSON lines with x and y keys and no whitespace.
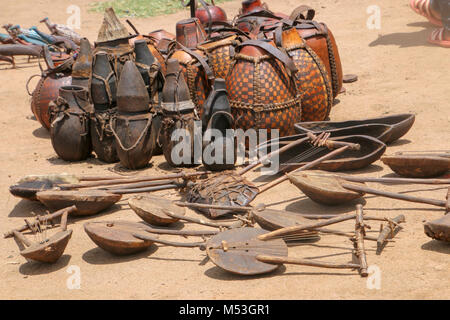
{"x":61,"y":41}
{"x":124,"y":98}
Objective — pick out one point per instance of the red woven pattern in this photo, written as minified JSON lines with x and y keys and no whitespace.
{"x":275,"y":84}
{"x":220,"y":61}
{"x":262,"y":95}
{"x":240,"y":83}
{"x":314,"y":84}
{"x":283,"y":119}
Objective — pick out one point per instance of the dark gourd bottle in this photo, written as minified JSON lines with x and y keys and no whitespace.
{"x":103,"y":78}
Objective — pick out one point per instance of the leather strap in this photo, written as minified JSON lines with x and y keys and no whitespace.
{"x":112,"y":123}
{"x":220,"y":26}
{"x":298,"y":13}
{"x":306,"y":24}
{"x":47,"y":58}
{"x":209,"y":17}
{"x":278,"y":36}
{"x":275,"y":52}
{"x":278,"y":32}
{"x":201,"y":59}
{"x":264,"y":29}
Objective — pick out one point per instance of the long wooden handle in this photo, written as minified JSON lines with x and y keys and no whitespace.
{"x":344,"y":234}
{"x":132,"y":26}
{"x":64,"y":221}
{"x":149,"y":189}
{"x":325,"y":231}
{"x":137,"y":185}
{"x":330,"y":144}
{"x":385,"y":180}
{"x":257,"y":208}
{"x":131,"y":180}
{"x":395,"y":180}
{"x":423,"y":151}
{"x":288,"y":230}
{"x":97,"y":178}
{"x":167,"y":242}
{"x":21,"y":238}
{"x":360,"y":233}
{"x":393,"y":195}
{"x":447,"y":203}
{"x":184,"y":233}
{"x":195,"y":220}
{"x":305,"y":262}
{"x":307,"y":166}
{"x":433,"y":153}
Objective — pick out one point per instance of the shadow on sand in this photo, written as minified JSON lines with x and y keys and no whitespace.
{"x":437,"y":246}
{"x":406,"y":39}
{"x":34,"y":268}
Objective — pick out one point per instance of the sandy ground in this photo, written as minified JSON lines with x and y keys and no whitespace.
{"x":398,"y":72}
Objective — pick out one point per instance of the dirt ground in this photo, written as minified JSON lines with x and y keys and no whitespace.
{"x":398,"y":72}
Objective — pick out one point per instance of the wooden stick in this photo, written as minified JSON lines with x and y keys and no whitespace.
{"x":51,"y":216}
{"x":301,"y":235}
{"x":169,"y":243}
{"x":388,"y":232}
{"x":305,"y":262}
{"x":431,"y":153}
{"x":360,"y":233}
{"x":263,"y":207}
{"x":447,"y":204}
{"x":331,"y":144}
{"x":316,"y":139}
{"x":393,"y":195}
{"x":370,"y":218}
{"x":132,"y":26}
{"x":384,"y":180}
{"x":31,"y":227}
{"x":180,"y":175}
{"x":195,"y":220}
{"x":149,"y":189}
{"x":307,"y":166}
{"x":192,"y":4}
{"x":288,"y":230}
{"x":186,"y":233}
{"x":98,"y":178}
{"x":65,"y":175}
{"x":137,"y":185}
{"x":340,"y":233}
{"x":317,"y":216}
{"x":423,"y":151}
{"x":21,"y":238}
{"x":64,"y":221}
{"x":395,"y":180}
